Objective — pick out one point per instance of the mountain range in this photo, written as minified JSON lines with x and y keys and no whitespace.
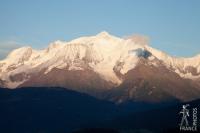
{"x":106,"y":67}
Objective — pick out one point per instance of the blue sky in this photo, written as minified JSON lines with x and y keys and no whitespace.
{"x":172,"y":25}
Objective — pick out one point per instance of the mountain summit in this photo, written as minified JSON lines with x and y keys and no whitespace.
{"x":103,"y":63}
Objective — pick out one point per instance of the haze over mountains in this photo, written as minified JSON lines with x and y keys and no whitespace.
{"x":106,"y":67}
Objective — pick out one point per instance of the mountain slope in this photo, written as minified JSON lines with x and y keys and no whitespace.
{"x":162,"y":120}
{"x":50,"y":110}
{"x":147,"y":82}
{"x":55,"y":109}
{"x":83,"y":81}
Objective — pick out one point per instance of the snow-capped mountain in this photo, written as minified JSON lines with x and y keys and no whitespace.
{"x":94,"y":63}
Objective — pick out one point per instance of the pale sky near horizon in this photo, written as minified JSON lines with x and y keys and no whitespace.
{"x":173,"y":26}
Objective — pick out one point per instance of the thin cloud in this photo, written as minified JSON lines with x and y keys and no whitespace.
{"x":139,"y":39}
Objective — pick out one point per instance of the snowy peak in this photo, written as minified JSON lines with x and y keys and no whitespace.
{"x":19,"y":56}
{"x":56,"y":44}
{"x":105,"y":35}
{"x":20,"y":52}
